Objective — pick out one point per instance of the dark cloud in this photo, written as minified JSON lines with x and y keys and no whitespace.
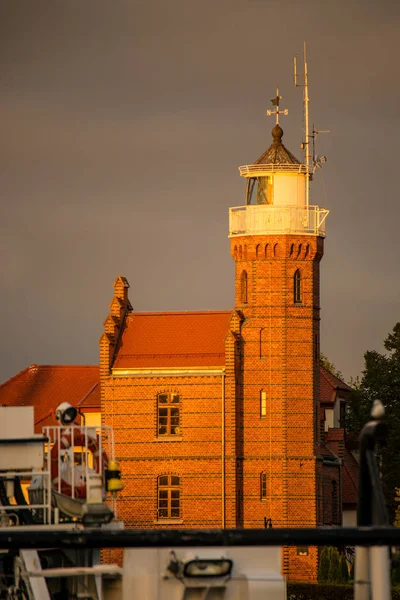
{"x":122,"y":127}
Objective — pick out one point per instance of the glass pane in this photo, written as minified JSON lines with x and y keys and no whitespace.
{"x":162,"y":430}
{"x":175,"y":512}
{"x":174,"y":493}
{"x":174,"y":480}
{"x":163,"y":480}
{"x":162,"y":494}
{"x":163,"y":513}
{"x":162,"y":412}
{"x":174,"y":412}
{"x":174,"y":398}
{"x":174,"y":421}
{"x":163,"y":504}
{"x":163,"y":398}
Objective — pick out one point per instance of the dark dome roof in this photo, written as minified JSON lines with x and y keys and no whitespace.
{"x":277,"y":154}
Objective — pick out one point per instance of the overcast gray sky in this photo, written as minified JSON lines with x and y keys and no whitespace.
{"x":122,"y":126}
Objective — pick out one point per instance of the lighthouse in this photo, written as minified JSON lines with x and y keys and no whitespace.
{"x":277,"y":242}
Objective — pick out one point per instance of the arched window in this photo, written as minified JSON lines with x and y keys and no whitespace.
{"x":263,"y":486}
{"x":297,"y":287}
{"x":299,"y":251}
{"x":168,"y":497}
{"x":307,"y":250}
{"x":245,"y":252}
{"x":240,"y":253}
{"x":235,"y":253}
{"x":291,"y":250}
{"x":168,"y":414}
{"x":243,"y":288}
{"x":276,"y":250}
{"x":266,"y":251}
{"x":258,"y":251}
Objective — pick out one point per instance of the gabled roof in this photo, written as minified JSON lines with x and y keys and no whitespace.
{"x":44,"y":387}
{"x":173,"y":339}
{"x":277,"y":153}
{"x":330,"y":385}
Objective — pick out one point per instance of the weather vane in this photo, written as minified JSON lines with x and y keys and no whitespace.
{"x":276,"y":111}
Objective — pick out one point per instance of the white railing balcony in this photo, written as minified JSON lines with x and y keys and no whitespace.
{"x":265,"y":219}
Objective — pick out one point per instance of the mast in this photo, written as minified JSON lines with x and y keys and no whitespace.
{"x":306,"y":144}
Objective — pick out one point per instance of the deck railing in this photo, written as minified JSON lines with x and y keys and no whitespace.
{"x":266,"y":219}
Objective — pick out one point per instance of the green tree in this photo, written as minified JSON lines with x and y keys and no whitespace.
{"x":381,"y":380}
{"x":330,"y":366}
{"x":334,"y":569}
{"x":323,"y":566}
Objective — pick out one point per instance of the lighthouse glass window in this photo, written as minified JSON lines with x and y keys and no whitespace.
{"x":264,"y":190}
{"x":168,"y":412}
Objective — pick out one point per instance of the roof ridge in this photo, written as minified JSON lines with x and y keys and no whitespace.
{"x":34,"y":367}
{"x":173,"y":354}
{"x":16,"y":376}
{"x":64,"y":367}
{"x":178,"y":312}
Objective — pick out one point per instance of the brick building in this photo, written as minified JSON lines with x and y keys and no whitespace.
{"x":225,"y":418}
{"x":217,"y":414}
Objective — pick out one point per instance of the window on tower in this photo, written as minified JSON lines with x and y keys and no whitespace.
{"x":243,"y":287}
{"x":168,"y":414}
{"x":297,"y":287}
{"x":168,"y":497}
{"x":263,"y":405}
{"x":263,"y":486}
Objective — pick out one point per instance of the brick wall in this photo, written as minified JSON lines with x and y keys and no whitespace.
{"x":130,"y":407}
{"x":280,"y":357}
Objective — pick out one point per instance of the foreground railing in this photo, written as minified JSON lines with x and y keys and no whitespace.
{"x":163,"y":538}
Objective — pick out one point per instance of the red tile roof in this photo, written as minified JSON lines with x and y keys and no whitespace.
{"x":44,"y":387}
{"x":330,"y":385}
{"x":173,"y":339}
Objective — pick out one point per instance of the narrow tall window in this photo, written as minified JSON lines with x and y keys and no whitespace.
{"x":243,"y":288}
{"x":263,"y":486}
{"x":297,"y":287}
{"x":168,"y":414}
{"x":169,"y":497}
{"x":263,"y":405}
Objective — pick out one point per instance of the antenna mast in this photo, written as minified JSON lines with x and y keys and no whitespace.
{"x":306,"y":144}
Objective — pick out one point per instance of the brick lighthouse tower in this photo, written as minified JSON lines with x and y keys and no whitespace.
{"x":277,"y":242}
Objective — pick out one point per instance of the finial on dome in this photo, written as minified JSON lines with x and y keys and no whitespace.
{"x":277,"y":133}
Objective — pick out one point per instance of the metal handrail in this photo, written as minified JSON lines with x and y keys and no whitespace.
{"x":249,"y":170}
{"x":267,"y":219}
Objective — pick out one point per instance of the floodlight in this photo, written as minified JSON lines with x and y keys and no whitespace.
{"x":66,"y":413}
